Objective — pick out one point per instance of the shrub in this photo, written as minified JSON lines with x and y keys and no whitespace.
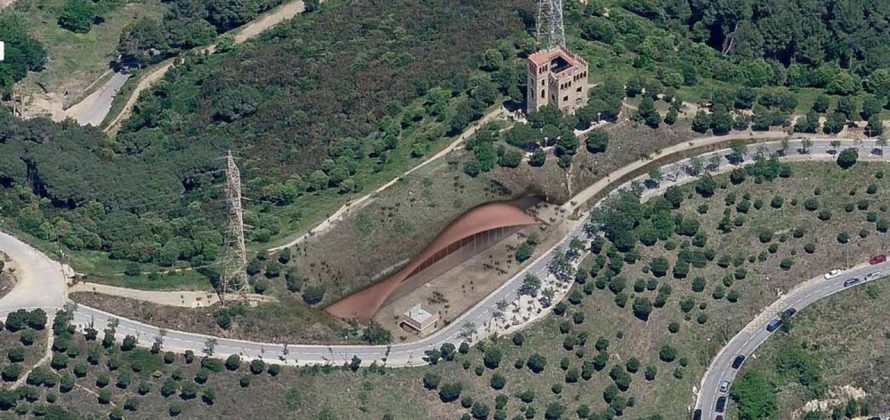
{"x":674,"y":327}
{"x":450,"y":392}
{"x":702,"y":318}
{"x":233,"y":362}
{"x":786,"y":263}
{"x":313,"y":295}
{"x":257,"y":366}
{"x":847,"y":158}
{"x":667,"y":353}
{"x":651,"y":372}
{"x":632,"y":365}
{"x":527,"y":396}
{"x":733,"y":296}
{"x":536,"y":363}
{"x":498,"y":381}
{"x":698,"y":284}
{"x":492,"y":358}
{"x":431,"y":380}
{"x":811,"y":204}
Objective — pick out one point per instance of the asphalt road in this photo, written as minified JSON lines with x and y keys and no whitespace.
{"x":755,"y":333}
{"x":93,"y":109}
{"x":40,"y":283}
{"x":395,"y":355}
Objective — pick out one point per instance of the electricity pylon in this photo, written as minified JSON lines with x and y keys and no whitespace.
{"x":554,"y":35}
{"x":232,"y":271}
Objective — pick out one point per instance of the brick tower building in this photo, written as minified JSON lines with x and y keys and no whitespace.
{"x":556,"y":77}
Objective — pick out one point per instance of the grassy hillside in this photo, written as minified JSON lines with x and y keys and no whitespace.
{"x":346,"y":97}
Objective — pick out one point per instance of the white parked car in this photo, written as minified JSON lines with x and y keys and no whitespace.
{"x":832,"y":273}
{"x":724,"y":386}
{"x":872,"y":276}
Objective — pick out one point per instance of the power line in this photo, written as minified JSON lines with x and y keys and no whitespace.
{"x":554,"y":35}
{"x":234,"y":261}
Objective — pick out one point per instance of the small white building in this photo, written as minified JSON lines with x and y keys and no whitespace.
{"x":420,"y":320}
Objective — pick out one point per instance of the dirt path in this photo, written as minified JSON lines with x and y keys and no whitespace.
{"x":248,"y":31}
{"x":185,"y":299}
{"x":366,"y":199}
{"x":43,"y":360}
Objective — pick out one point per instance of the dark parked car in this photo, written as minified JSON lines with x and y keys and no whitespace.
{"x":774,"y":325}
{"x":697,"y":414}
{"x":877,"y":259}
{"x":852,"y":282}
{"x":737,"y":362}
{"x":789,"y":313}
{"x":721,"y":405}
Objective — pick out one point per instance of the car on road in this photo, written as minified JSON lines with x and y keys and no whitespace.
{"x":789,"y":313}
{"x":872,"y":276}
{"x":721,"y":405}
{"x":877,"y":259}
{"x":697,"y":414}
{"x":737,"y":362}
{"x":774,"y":325}
{"x":724,"y":386}
{"x":852,"y":282}
{"x":832,"y":274}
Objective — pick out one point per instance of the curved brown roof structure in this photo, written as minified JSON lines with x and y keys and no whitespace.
{"x":365,"y":303}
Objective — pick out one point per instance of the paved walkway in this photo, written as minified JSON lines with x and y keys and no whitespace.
{"x":184,"y":298}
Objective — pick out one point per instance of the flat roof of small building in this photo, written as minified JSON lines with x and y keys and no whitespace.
{"x":418,"y":314}
{"x":546,"y":56}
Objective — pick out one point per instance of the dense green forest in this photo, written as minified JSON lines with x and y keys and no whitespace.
{"x":317,"y":106}
{"x":23,"y":52}
{"x":843,"y":46}
{"x":187,"y":24}
{"x":311,"y":107}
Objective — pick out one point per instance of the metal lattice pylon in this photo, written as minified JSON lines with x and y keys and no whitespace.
{"x":232,"y":271}
{"x":554,"y":35}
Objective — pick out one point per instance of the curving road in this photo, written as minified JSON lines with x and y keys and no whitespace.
{"x":39,"y":280}
{"x":93,"y":109}
{"x":396,"y":355}
{"x":755,"y":333}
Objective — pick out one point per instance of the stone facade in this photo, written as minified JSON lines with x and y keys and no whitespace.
{"x":557,"y":77}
